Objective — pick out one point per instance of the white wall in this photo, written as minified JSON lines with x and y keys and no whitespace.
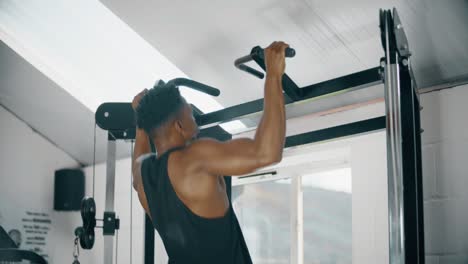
{"x":368,"y":158}
{"x":445,"y":155}
{"x":27,"y":166}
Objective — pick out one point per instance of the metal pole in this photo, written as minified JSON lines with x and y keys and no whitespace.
{"x":419,"y":181}
{"x":413,"y":206}
{"x":110,"y":189}
{"x":297,"y":220}
{"x":394,"y":156}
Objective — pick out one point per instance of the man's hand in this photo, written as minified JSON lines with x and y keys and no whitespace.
{"x":275,"y":58}
{"x":137,"y":98}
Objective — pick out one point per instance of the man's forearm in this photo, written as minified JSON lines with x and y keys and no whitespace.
{"x":142,"y":143}
{"x":272,"y":128}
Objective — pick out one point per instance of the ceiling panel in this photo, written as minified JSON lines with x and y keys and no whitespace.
{"x":332,"y":38}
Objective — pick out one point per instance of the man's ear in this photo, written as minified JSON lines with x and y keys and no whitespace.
{"x":179,"y":126}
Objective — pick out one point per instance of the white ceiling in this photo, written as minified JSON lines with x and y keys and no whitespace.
{"x":332,"y":38}
{"x":96,"y":56}
{"x":50,"y":110}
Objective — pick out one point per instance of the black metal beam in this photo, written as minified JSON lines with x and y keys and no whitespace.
{"x":412,"y":177}
{"x":363,"y":78}
{"x":360,"y":79}
{"x":336,"y":132}
{"x":419,"y":180}
{"x":410,"y":204}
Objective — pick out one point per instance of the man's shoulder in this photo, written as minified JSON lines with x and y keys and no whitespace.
{"x":146,"y":156}
{"x":191,"y":158}
{"x":201,"y":145}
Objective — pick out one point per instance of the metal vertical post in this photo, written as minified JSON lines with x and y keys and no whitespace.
{"x":409,"y":170}
{"x":297,"y":220}
{"x":394,"y":154}
{"x":409,"y":166}
{"x":110,"y":189}
{"x":406,"y":225}
{"x":419,"y":181}
{"x":410,"y":129}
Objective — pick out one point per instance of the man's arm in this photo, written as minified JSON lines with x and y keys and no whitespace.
{"x":141,"y":149}
{"x":242,"y":156}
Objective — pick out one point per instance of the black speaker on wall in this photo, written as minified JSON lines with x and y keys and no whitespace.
{"x":69,"y":189}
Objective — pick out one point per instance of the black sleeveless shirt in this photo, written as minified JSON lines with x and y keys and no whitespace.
{"x":187,"y":237}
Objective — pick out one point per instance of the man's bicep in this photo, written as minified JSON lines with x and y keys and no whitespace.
{"x":137,"y":167}
{"x":233,"y":157}
{"x":138,"y":179}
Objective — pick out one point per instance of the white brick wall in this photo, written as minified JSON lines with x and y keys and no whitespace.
{"x":445,"y":156}
{"x":27,"y":166}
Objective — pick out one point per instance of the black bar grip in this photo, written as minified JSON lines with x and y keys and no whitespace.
{"x":259,"y":53}
{"x":239,"y":63}
{"x":195,"y":85}
{"x":289,"y":52}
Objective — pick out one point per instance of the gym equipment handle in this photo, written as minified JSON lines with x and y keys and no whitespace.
{"x":18,"y":255}
{"x":195,"y":85}
{"x":289,"y":52}
{"x":121,"y":117}
{"x":258,"y":52}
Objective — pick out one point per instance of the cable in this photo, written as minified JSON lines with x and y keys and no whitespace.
{"x":110,"y":133}
{"x":116,"y":246}
{"x":94,"y":157}
{"x":131,"y":202}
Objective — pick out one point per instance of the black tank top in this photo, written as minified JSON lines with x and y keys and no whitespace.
{"x":187,"y":237}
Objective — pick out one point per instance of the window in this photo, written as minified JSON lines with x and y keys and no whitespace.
{"x":263,"y":211}
{"x":327,"y":216}
{"x":319,"y":202}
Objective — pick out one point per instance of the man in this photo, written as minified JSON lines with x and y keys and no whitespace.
{"x":183,"y":189}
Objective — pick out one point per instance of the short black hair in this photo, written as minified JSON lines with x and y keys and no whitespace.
{"x":158,"y":105}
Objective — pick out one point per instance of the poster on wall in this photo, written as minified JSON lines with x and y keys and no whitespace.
{"x":28,"y":228}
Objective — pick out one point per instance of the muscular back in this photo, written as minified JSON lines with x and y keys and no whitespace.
{"x":204,"y":194}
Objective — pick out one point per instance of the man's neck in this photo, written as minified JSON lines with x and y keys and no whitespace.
{"x":165,"y":144}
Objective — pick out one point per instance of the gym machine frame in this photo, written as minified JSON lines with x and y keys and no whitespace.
{"x":401,"y":121}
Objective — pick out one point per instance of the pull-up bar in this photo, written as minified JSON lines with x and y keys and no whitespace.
{"x":347,"y":83}
{"x":120,"y":118}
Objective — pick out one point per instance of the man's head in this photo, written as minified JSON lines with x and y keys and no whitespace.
{"x":164,"y":112}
